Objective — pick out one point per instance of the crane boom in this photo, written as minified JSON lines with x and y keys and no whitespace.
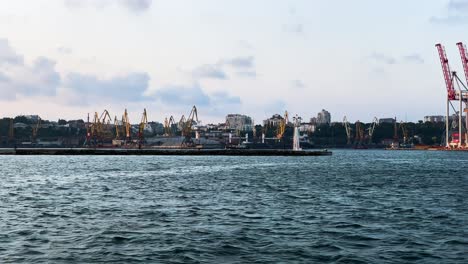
{"x":451,"y":95}
{"x":464,"y":58}
{"x":348,"y":129}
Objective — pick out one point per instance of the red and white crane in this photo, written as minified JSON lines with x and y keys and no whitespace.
{"x":458,"y":94}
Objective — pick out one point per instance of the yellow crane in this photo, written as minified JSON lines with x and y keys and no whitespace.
{"x":404,"y":130}
{"x":127,"y":125}
{"x":359,"y":133}
{"x":169,"y":126}
{"x":142,"y":126}
{"x":187,"y":128}
{"x":282,"y":126}
{"x":181,"y":123}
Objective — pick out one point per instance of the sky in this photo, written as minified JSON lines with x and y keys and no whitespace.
{"x":360,"y":59}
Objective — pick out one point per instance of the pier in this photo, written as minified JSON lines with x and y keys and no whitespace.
{"x":163,"y":152}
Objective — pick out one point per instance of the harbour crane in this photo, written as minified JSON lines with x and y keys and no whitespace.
{"x":126,"y":124}
{"x":459,"y":95}
{"x":348,"y":130}
{"x":181,"y":124}
{"x":371,"y":129}
{"x":117,"y":128}
{"x":169,"y":126}
{"x":359,"y":133}
{"x":404,"y":131}
{"x":187,"y":128}
{"x":141,"y":128}
{"x":35,"y":129}
{"x":282,"y":126}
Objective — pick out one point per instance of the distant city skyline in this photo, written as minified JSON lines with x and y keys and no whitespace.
{"x":67,"y":58}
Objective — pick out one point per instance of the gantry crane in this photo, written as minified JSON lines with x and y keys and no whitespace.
{"x":458,"y":94}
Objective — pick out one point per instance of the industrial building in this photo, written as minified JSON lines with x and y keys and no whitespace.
{"x":239,"y":122}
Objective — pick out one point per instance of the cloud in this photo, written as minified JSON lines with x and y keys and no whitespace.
{"x":64,"y":50}
{"x":245,"y":66}
{"x":182,"y":95}
{"x":458,"y":5}
{"x":298,"y":84}
{"x":247,"y":74}
{"x":89,"y":88}
{"x":240,"y":62}
{"x":413,"y":58}
{"x":455,"y":13}
{"x":213,"y":71}
{"x":135,"y":6}
{"x":382,"y":58}
{"x":223,"y":98}
{"x":294,"y":28}
{"x":186,"y":95}
{"x":8,"y":55}
{"x":20,"y":79}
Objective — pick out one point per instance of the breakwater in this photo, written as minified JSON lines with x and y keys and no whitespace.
{"x":163,"y":152}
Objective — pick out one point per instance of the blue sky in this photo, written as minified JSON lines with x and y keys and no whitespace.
{"x":65,"y":58}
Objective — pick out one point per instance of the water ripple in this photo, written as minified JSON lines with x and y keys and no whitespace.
{"x":352,"y":207}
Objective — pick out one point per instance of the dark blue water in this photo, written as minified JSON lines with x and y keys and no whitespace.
{"x":353,"y":207}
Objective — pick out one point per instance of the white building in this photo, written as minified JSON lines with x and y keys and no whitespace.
{"x":434,"y":119}
{"x":323,"y":117}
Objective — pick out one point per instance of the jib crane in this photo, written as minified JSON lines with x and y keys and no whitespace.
{"x":187,"y":128}
{"x":35,"y":129}
{"x":126,"y":124}
{"x":117,"y":128}
{"x":404,"y":131}
{"x":141,"y":128}
{"x":375,"y":123}
{"x":359,"y":133}
{"x":282,"y":126}
{"x":169,"y":126}
{"x":348,"y":130}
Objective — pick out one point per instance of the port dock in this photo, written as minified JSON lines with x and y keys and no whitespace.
{"x":163,"y":152}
